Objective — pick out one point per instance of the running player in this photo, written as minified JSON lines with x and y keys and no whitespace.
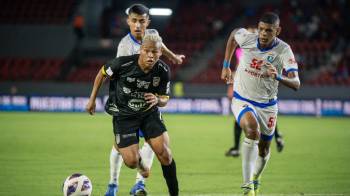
{"x":138,"y":21}
{"x":255,"y":91}
{"x":141,"y":85}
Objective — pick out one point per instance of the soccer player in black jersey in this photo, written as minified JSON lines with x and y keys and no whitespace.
{"x":142,"y":85}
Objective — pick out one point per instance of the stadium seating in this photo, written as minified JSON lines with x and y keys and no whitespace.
{"x":36,"y":11}
{"x":25,"y":69}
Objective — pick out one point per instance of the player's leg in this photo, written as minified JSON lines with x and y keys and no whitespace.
{"x":247,"y":118}
{"x":279,"y":140}
{"x":155,"y":133}
{"x":261,"y":162}
{"x":115,"y":162}
{"x":237,"y":131}
{"x":267,"y":122}
{"x":147,"y":155}
{"x":160,"y":146}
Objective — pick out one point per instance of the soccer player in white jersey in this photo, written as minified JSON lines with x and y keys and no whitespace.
{"x":138,"y":21}
{"x":255,"y":91}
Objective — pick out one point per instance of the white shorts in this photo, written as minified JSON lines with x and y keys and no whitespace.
{"x":266,"y":116}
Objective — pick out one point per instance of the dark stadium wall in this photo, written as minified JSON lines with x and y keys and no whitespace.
{"x":36,"y":41}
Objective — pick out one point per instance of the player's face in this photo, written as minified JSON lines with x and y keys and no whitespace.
{"x":267,"y":33}
{"x":138,"y":24}
{"x":149,"y":53}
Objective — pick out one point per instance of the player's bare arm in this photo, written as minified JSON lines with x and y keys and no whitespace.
{"x":231,"y":45}
{"x":291,"y":80}
{"x":174,"y":58}
{"x":91,"y":105}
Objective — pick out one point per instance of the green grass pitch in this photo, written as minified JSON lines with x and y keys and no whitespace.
{"x":39,"y":150}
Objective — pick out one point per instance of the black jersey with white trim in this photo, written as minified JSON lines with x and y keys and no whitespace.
{"x":131,"y":83}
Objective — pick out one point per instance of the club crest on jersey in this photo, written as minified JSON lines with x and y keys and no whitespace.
{"x":270,"y":57}
{"x":142,"y":84}
{"x":156,"y":81}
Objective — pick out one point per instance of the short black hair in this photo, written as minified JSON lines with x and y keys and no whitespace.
{"x":270,"y":18}
{"x":138,"y":9}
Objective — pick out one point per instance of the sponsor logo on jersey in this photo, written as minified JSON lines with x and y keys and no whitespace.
{"x":130,"y":79}
{"x":156,"y":81}
{"x":126,"y":90}
{"x":109,"y":71}
{"x":136,"y":104}
{"x":124,"y":136}
{"x":142,"y":84}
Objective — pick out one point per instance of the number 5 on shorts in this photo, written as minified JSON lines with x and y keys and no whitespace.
{"x":271,"y":122}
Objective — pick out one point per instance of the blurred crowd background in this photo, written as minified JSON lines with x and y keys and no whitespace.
{"x":64,"y":43}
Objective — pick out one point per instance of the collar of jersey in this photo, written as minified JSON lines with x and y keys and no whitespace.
{"x":134,"y":39}
{"x":275,"y":43}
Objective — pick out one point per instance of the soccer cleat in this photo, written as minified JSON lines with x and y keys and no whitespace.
{"x":112,"y":190}
{"x":139,"y":189}
{"x":280,"y":144}
{"x":256,"y":183}
{"x":248,"y":189}
{"x":234,"y":152}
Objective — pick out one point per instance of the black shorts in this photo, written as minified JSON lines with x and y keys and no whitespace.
{"x":126,"y":128}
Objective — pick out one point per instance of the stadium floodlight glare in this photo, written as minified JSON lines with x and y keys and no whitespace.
{"x":160,"y":11}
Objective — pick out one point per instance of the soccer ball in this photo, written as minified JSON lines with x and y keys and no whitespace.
{"x":77,"y":185}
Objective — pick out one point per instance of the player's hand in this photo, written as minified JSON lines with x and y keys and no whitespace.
{"x":178,"y":59}
{"x":151,"y":99}
{"x":271,"y":70}
{"x":90,"y":107}
{"x":226,"y":75}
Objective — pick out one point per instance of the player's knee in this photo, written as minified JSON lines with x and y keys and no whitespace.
{"x":252,"y":130}
{"x":164,"y":156}
{"x":131,"y":162}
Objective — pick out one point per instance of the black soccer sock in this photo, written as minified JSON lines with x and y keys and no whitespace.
{"x":169,"y":173}
{"x":277,"y":134}
{"x":237,"y":133}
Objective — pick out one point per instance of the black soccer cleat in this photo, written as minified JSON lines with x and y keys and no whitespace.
{"x":232,"y":152}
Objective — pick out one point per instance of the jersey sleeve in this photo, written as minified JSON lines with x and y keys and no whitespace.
{"x":288,"y":60}
{"x":124,"y":49}
{"x":111,"y":67}
{"x":242,"y":37}
{"x":164,"y":86}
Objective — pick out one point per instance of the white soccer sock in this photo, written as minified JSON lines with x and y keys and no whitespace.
{"x":249,"y":155}
{"x":260,"y":165}
{"x":116,"y":162}
{"x":147,"y":155}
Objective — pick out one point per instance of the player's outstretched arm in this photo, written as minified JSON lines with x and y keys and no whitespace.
{"x":230,"y":48}
{"x":174,"y":58}
{"x":91,"y":105}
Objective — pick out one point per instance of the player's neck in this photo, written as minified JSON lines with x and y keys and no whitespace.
{"x":267,"y":46}
{"x":145,"y":68}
